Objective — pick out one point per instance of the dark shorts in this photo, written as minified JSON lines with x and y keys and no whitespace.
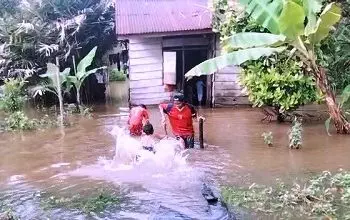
{"x":189,"y":141}
{"x":151,"y":149}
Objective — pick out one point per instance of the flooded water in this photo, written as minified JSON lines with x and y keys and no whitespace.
{"x":76,"y":161}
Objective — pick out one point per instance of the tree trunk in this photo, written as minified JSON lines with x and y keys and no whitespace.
{"x":60,"y":98}
{"x":78,"y":100}
{"x":341,"y":124}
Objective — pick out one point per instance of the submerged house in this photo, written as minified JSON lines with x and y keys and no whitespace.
{"x":166,"y":38}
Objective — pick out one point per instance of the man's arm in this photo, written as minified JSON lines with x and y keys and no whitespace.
{"x":195,"y":114}
{"x":193,"y":111}
{"x":145,"y":116}
{"x":162,"y":110}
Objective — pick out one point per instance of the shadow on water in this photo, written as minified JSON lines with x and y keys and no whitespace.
{"x":44,"y":161}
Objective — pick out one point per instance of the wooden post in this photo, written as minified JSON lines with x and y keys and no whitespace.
{"x":201,"y":141}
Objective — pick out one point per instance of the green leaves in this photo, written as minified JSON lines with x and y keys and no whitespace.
{"x":288,"y":17}
{"x":329,"y":17}
{"x":345,"y":95}
{"x":252,"y":39}
{"x":51,"y":75}
{"x":51,"y":72}
{"x":282,"y":85}
{"x":82,"y":73}
{"x":234,"y":58}
{"x":311,"y":7}
{"x":85,"y":63}
{"x":265,"y":12}
{"x":291,"y":20}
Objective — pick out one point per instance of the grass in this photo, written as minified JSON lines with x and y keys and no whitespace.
{"x":323,"y":196}
{"x":93,"y":203}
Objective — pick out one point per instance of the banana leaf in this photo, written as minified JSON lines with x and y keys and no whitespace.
{"x":234,"y":58}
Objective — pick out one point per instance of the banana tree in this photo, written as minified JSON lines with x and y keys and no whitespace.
{"x":55,"y":80}
{"x":293,"y":25}
{"x":82,"y":73}
{"x":52,"y":84}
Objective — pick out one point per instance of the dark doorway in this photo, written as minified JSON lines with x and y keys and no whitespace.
{"x":186,"y":59}
{"x":195,"y":88}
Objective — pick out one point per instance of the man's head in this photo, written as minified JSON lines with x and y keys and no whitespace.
{"x":179,"y":100}
{"x":148,"y":129}
{"x":143,"y":106}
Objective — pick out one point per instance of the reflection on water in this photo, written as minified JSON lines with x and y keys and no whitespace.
{"x":46,"y":161}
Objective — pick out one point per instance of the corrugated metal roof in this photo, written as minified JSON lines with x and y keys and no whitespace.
{"x":157,"y":16}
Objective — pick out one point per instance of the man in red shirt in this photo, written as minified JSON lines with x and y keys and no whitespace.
{"x":180,"y":116}
{"x":137,"y":118}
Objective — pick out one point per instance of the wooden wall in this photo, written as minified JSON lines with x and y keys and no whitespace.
{"x":226,"y":88}
{"x":146,"y":71}
{"x":146,"y":74}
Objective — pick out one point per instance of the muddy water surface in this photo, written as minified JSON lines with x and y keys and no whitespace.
{"x":43,"y":161}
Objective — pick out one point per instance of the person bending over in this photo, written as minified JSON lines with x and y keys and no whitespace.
{"x":180,"y":116}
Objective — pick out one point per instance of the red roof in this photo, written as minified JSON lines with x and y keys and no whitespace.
{"x":157,"y":16}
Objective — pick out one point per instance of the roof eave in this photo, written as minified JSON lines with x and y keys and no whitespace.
{"x":165,"y":34}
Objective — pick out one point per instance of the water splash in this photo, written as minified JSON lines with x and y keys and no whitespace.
{"x":132,"y":163}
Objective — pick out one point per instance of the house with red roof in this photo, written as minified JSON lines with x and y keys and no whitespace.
{"x":166,"y":38}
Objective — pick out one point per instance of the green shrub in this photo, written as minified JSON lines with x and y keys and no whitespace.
{"x":13,"y":98}
{"x":19,"y":121}
{"x":268,"y":138}
{"x":281,"y":84}
{"x":117,"y":76}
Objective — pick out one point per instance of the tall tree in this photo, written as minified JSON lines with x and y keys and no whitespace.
{"x":293,"y":25}
{"x":34,"y":32}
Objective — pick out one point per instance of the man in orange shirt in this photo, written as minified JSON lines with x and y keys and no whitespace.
{"x":180,"y":116}
{"x":137,"y":118}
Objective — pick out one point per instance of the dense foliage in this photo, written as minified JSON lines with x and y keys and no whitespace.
{"x":281,"y":85}
{"x":228,"y":20}
{"x":272,"y":82}
{"x":334,"y":53}
{"x":296,"y":27}
{"x":34,"y":32}
{"x":326,"y":195}
{"x":12,"y":103}
{"x":14,"y":97}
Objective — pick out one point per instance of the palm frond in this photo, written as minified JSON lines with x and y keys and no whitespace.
{"x":46,"y":49}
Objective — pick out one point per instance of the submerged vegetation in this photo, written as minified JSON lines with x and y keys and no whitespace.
{"x":295,"y":134}
{"x":93,"y":203}
{"x":268,"y":138}
{"x":326,"y":195}
{"x":12,"y":103}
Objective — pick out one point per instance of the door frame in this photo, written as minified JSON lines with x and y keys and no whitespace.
{"x":192,"y":48}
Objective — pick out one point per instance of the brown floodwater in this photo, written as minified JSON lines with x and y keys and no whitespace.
{"x":43,"y":161}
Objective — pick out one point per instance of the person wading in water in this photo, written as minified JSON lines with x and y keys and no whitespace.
{"x":180,"y":116}
{"x":137,"y":118}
